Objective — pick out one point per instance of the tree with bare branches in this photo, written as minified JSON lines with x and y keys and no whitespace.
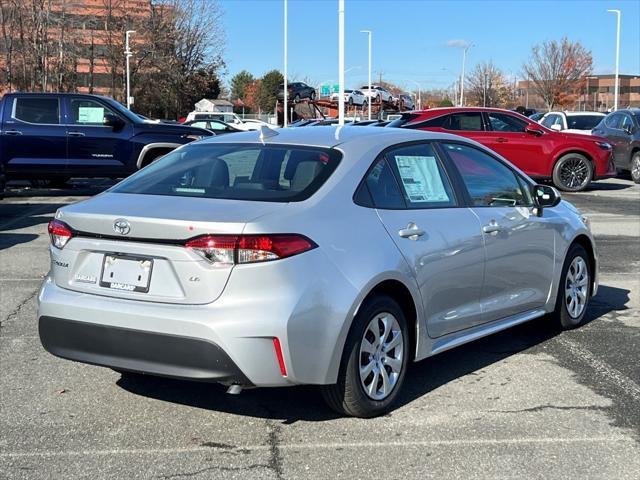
{"x":487,"y":86}
{"x":557,"y":68}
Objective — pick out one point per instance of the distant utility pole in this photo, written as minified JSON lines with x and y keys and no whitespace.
{"x":127,"y":54}
{"x":617,"y":85}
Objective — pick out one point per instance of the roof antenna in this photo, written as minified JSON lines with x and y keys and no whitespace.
{"x":266,"y":132}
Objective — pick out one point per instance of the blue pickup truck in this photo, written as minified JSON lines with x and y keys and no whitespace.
{"x":51,"y":137}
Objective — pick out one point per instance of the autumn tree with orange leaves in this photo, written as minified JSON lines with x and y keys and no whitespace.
{"x":557,"y":69}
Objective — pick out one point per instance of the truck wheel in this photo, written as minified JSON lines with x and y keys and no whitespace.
{"x":572,"y":173}
{"x":374,"y":361}
{"x":635,"y":167}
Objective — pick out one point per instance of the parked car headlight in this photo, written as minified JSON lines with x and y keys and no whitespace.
{"x":604,"y":145}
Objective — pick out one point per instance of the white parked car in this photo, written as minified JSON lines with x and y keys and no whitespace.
{"x":352,"y":97}
{"x":377,"y":93}
{"x":226,"y":117}
{"x":572,"y":122}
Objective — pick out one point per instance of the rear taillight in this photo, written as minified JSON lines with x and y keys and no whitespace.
{"x":232,"y":249}
{"x":60,"y":233}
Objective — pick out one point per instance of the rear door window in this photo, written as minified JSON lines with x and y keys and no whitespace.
{"x":275,"y":173}
{"x":469,"y":121}
{"x":422,"y":177}
{"x":40,"y":110}
{"x":614,"y":121}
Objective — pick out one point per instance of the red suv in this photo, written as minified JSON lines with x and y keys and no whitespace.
{"x":570,"y":160}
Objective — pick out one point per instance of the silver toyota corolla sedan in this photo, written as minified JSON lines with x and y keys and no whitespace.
{"x":327,"y":256}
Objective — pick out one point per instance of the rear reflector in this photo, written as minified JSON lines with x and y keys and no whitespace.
{"x":279,"y":356}
{"x":60,"y":233}
{"x":232,"y":249}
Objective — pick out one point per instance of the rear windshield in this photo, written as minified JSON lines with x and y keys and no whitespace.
{"x":583,"y":122}
{"x":272,"y":173}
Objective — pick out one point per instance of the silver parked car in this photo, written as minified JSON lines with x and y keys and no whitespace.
{"x":327,"y":256}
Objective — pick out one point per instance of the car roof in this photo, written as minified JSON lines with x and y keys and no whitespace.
{"x":573,"y":114}
{"x":332,"y":136}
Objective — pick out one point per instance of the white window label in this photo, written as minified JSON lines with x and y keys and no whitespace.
{"x":421,"y":179}
{"x":90,"y":114}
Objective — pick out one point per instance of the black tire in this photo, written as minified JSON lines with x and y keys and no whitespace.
{"x":296,"y":99}
{"x":378,"y":98}
{"x":351,"y":102}
{"x":561,"y":314}
{"x":634,"y":167}
{"x":312,"y":97}
{"x":365,"y":105}
{"x":348,"y":396}
{"x":572,"y":172}
{"x":152,"y":156}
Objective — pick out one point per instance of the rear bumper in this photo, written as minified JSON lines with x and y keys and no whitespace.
{"x":138,"y":351}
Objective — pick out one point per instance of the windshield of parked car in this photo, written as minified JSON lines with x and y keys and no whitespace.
{"x":583,"y":122}
{"x":273,"y":173}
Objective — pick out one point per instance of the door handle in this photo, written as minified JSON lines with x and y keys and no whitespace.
{"x":75,"y":134}
{"x":501,"y":140}
{"x":492,"y":227}
{"x":13,"y":132}
{"x":412,"y":232}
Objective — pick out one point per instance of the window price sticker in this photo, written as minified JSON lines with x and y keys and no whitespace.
{"x":421,"y":179}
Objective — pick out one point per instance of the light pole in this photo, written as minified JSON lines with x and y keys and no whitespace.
{"x":464,"y":59}
{"x":617,"y":86}
{"x":285,"y":106}
{"x":127,"y":54}
{"x":368,"y":32}
{"x":419,"y":94}
{"x":341,"y":62}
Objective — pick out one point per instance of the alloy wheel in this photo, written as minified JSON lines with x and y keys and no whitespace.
{"x":381,"y":356}
{"x":576,"y":287}
{"x":574,"y":173}
{"x":635,"y":168}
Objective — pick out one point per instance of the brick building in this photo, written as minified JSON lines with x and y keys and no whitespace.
{"x":84,"y":44}
{"x":597,"y":93}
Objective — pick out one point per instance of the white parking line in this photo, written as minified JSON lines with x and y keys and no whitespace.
{"x":601,"y":368}
{"x":331,"y":445}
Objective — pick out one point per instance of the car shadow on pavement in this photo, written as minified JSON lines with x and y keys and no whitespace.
{"x":15,"y":216}
{"x":305,"y":403}
{"x":610,"y":185}
{"x":8,"y":240}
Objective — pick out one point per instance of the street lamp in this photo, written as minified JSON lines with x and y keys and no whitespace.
{"x":615,"y":92}
{"x":455,"y":87}
{"x":285,"y":106}
{"x":127,"y":54}
{"x":341,"y":62}
{"x":464,"y":59}
{"x":369,"y":33}
{"x":419,"y":94}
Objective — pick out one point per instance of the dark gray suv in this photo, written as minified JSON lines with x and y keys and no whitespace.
{"x":622,"y":128}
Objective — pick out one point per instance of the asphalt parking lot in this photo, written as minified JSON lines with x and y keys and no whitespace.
{"x":529,"y":402}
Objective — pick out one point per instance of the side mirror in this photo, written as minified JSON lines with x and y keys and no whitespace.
{"x":533,"y":130}
{"x":111,"y":120}
{"x":546,"y":196}
{"x":556,"y":127}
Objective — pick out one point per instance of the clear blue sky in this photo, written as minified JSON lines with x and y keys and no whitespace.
{"x":410,"y":37}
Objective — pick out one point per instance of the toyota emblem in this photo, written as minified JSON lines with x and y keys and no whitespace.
{"x":121,"y":226}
